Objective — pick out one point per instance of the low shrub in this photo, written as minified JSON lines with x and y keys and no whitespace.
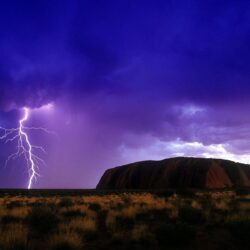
{"x":68,"y":241}
{"x":101,"y":220}
{"x":36,"y":204}
{"x":165,"y":193}
{"x":185,"y":192}
{"x":7,"y":219}
{"x":14,"y":245}
{"x":41,"y":220}
{"x":240,"y":230}
{"x":177,"y":234}
{"x":191,"y":215}
{"x":124,"y":223}
{"x":13,"y":237}
{"x":95,"y":207}
{"x":91,"y":235}
{"x":63,"y":246}
{"x":65,"y":202}
{"x":14,"y":204}
{"x":152,"y":215}
{"x":242,"y":191}
{"x":73,"y":213}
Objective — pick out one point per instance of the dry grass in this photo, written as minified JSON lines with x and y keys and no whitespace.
{"x":124,"y":218}
{"x":195,"y":204}
{"x":89,"y":224}
{"x":20,"y":212}
{"x":13,"y":236}
{"x":140,"y":232}
{"x":66,"y":240}
{"x":111,"y":220}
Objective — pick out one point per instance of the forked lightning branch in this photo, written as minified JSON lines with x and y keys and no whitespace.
{"x":24,"y":147}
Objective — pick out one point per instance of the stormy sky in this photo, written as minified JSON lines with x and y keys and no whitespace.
{"x":125,"y":81}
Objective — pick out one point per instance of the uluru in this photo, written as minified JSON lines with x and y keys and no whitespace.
{"x":179,"y":172}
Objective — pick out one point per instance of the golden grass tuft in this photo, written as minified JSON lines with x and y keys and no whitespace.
{"x":140,"y":232}
{"x":111,"y":220}
{"x":67,"y":240}
{"x":89,"y":224}
{"x":195,"y":204}
{"x":12,"y":235}
{"x":20,"y":212}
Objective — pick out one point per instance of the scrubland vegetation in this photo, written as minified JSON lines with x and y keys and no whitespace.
{"x":186,"y":220}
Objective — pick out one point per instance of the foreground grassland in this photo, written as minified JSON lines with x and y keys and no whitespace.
{"x":61,"y":221}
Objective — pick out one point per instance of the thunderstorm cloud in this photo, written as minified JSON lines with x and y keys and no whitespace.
{"x":129,"y":80}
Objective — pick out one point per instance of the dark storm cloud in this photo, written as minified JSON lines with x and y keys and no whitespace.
{"x":173,"y":70}
{"x":46,"y":56}
{"x":187,"y":50}
{"x":32,"y":90}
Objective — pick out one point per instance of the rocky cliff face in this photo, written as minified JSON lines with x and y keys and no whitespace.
{"x":177,"y":172}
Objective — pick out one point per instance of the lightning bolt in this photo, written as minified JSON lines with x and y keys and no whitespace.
{"x":24,"y":147}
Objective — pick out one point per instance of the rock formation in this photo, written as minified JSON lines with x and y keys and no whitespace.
{"x":180,"y":172}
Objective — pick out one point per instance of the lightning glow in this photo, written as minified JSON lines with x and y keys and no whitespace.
{"x":24,"y":147}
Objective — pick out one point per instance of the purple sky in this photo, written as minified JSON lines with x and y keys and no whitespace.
{"x":128,"y":80}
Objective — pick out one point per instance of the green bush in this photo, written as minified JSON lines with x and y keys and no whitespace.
{"x":14,"y":204}
{"x":95,"y":207}
{"x":175,"y":235}
{"x":15,"y":245}
{"x":64,"y":246}
{"x":101,"y":220}
{"x":65,"y":202}
{"x":165,"y":193}
{"x":10,"y":219}
{"x":153,"y":215}
{"x":91,"y":235}
{"x":191,"y":215}
{"x":240,"y":230}
{"x":124,"y":223}
{"x":36,"y":204}
{"x":73,"y":213}
{"x":185,"y":192}
{"x":41,"y":220}
{"x":242,"y":191}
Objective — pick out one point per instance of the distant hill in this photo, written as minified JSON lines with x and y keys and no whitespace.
{"x":180,"y":172}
